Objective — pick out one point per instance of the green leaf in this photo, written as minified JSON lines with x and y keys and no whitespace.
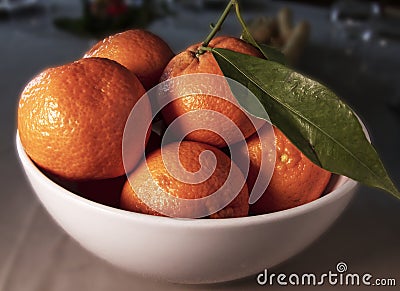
{"x":323,"y":127}
{"x":273,"y":54}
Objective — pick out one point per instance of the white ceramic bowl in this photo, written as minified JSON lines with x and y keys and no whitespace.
{"x":184,"y":250}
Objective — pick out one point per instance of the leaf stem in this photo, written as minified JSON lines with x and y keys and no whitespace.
{"x":246,"y":35}
{"x":215,"y":28}
{"x":239,"y":16}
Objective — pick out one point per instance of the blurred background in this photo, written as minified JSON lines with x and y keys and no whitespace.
{"x":351,"y":46}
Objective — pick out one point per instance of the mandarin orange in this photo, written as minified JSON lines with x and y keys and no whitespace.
{"x":189,"y":62}
{"x":295,"y":180}
{"x":71,"y":118}
{"x":162,"y":166}
{"x":142,"y":52}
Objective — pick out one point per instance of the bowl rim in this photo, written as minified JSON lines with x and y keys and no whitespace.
{"x":328,"y":198}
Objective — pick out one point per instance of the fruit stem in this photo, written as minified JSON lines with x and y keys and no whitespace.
{"x":202,"y":49}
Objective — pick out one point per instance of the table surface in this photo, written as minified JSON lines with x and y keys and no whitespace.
{"x":36,"y":254}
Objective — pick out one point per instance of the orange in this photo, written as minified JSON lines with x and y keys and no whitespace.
{"x":295,"y":180}
{"x":187,"y":62}
{"x":142,"y":52}
{"x":158,"y":204}
{"x":71,"y":118}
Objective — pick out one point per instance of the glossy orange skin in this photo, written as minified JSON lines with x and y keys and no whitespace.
{"x":189,"y":157}
{"x":295,"y":181}
{"x":71,"y":118}
{"x":142,"y":52}
{"x":188,"y":63}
